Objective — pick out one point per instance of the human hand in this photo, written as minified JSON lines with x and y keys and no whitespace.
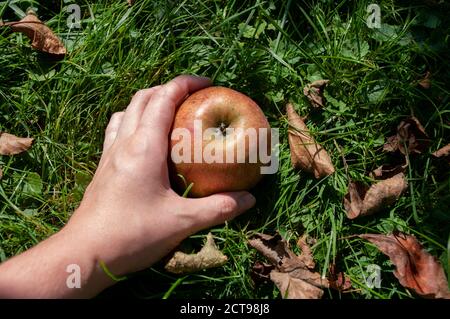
{"x":130,"y":217}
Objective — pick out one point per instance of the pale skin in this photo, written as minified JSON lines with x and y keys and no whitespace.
{"x":129,"y":217}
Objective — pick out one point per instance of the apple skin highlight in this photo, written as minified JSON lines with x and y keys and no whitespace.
{"x":221,"y":110}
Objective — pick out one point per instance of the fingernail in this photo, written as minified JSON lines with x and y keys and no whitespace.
{"x":247,"y":200}
{"x":205,"y":78}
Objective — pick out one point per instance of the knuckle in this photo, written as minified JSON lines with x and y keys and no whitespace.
{"x":178,"y":87}
{"x":136,"y":147}
{"x":161,"y":93}
{"x":140,"y":94}
{"x":109,"y":139}
{"x":161,"y":104}
{"x":226,"y":207}
{"x":179,"y":84}
{"x":117,"y":116}
{"x":131,"y":157}
{"x":115,"y":120}
{"x":124,"y":166}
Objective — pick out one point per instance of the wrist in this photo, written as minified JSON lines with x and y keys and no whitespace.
{"x":81,"y":260}
{"x":60,"y":267}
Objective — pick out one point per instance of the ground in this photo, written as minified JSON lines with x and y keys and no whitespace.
{"x":268,"y":50}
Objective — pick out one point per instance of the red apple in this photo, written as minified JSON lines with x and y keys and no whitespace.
{"x":212,"y":134}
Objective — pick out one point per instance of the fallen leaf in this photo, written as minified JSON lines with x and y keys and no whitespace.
{"x":425,"y":82}
{"x":274,"y":248}
{"x":42,"y":37}
{"x":338,"y":280}
{"x":306,"y":154}
{"x":208,"y":257}
{"x":387,"y":171}
{"x":314,"y":92}
{"x":13,"y":145}
{"x":353,"y":200}
{"x":443,"y":152}
{"x":130,"y":2}
{"x":261,"y":271}
{"x":294,"y":288}
{"x":410,"y":138}
{"x":363,"y":201}
{"x":306,"y":253}
{"x":293,"y":274}
{"x":416,"y":269}
{"x":277,"y":251}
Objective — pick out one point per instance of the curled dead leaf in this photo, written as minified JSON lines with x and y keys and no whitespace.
{"x":261,"y":271}
{"x":387,"y":170}
{"x":42,"y":37}
{"x":208,"y":257}
{"x":13,"y":145}
{"x":411,"y":138}
{"x":306,"y":154}
{"x":416,"y":269}
{"x":363,"y":201}
{"x":425,"y":82}
{"x":338,"y":280}
{"x":314,"y":92}
{"x":306,"y":255}
{"x":443,"y":152}
{"x":353,"y":200}
{"x":274,"y":248}
{"x":293,"y":274}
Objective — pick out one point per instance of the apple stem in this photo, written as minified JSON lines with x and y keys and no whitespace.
{"x":223,"y":128}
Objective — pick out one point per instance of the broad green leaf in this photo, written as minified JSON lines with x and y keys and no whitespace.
{"x":33,"y":184}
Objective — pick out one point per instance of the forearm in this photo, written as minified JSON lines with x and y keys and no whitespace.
{"x":50,"y":270}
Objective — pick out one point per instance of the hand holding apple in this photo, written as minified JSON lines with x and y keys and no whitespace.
{"x":129,"y":217}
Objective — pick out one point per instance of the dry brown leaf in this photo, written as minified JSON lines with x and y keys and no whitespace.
{"x":314,"y":92}
{"x":294,"y":288}
{"x":443,"y":152}
{"x":261,"y":271}
{"x":306,"y":154}
{"x":208,"y":257}
{"x":387,"y":171}
{"x":411,"y":138}
{"x":293,"y":274}
{"x":277,"y":251}
{"x":353,"y":200}
{"x":338,"y":280}
{"x":360,"y":201}
{"x":425,"y":82}
{"x":13,"y":145}
{"x":416,"y":269}
{"x":130,"y":2}
{"x":42,"y":37}
{"x":274,"y":248}
{"x":306,"y":253}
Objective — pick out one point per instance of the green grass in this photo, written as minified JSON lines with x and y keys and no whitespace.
{"x":268,"y":50}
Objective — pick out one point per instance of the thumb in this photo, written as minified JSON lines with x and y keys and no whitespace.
{"x":216,"y":209}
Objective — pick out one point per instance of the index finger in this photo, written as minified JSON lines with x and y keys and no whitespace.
{"x":158,"y":116}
